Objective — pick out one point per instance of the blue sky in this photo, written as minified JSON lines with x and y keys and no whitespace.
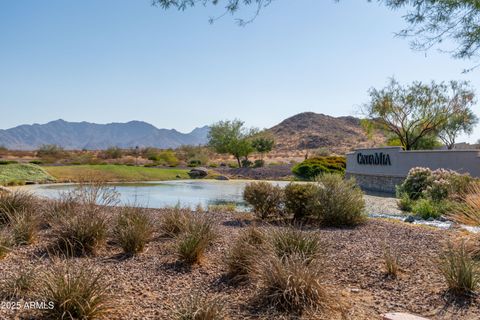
{"x":120,"y":60}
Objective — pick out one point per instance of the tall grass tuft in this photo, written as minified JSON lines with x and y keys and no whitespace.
{"x":199,"y":234}
{"x":174,"y":221}
{"x":24,"y":227}
{"x":19,"y":285}
{"x":468,"y":212}
{"x":198,"y":307}
{"x":133,"y":229}
{"x":14,"y":202}
{"x":291,"y":241}
{"x":460,"y":271}
{"x":291,"y":284}
{"x":391,"y":261}
{"x":244,"y":253}
{"x":6,"y":243}
{"x":77,"y":292}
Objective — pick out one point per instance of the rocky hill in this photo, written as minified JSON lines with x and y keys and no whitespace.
{"x":92,"y":136}
{"x":309,"y":130}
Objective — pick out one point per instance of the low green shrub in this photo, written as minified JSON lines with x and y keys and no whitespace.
{"x":265,"y":198}
{"x":259,"y":163}
{"x":194,"y":163}
{"x":37,"y":162}
{"x":338,"y":202}
{"x":460,"y":271}
{"x":404,"y":203}
{"x":313,"y":167}
{"x":168,"y":158}
{"x":246,"y":163}
{"x":416,"y":182}
{"x":298,"y":199}
{"x":5,"y":162}
{"x":133,"y":229}
{"x":76,"y":291}
{"x":427,"y":208}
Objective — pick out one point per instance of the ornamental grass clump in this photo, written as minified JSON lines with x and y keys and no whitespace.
{"x":290,"y":241}
{"x":24,"y":227}
{"x":265,"y":198}
{"x":6,"y":243}
{"x":391,"y":261}
{"x":76,"y":291}
{"x":468,"y":212}
{"x":291,"y":284}
{"x":19,"y":285}
{"x":199,"y":307}
{"x":199,"y":234}
{"x":245,"y":251}
{"x":14,"y":202}
{"x":133,"y":229}
{"x":174,"y":221}
{"x":338,"y":202}
{"x":461,"y":272}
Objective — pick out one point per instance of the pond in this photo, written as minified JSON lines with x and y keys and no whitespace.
{"x":168,"y":193}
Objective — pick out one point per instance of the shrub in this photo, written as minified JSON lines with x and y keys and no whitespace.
{"x":112,"y":153}
{"x":5,"y":162}
{"x":243,"y":253}
{"x":133,"y":229}
{"x":246,"y":163}
{"x":259,"y":163}
{"x":391,"y":263}
{"x":427,"y":208}
{"x":265,"y":198}
{"x":404,"y":202}
{"x":194,"y":163}
{"x":76,"y":291}
{"x":313,"y":167}
{"x":291,"y":284}
{"x":198,"y":307}
{"x":198,"y":236}
{"x":13,"y":202}
{"x":338,"y":202}
{"x":19,"y":285}
{"x":24,"y":227}
{"x":416,"y":182}
{"x":174,"y":221}
{"x":167,"y":157}
{"x":290,"y":241}
{"x":460,"y":271}
{"x":37,"y":162}
{"x":50,"y":152}
{"x":298,"y":199}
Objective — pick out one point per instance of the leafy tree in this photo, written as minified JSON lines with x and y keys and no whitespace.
{"x":418,"y":110}
{"x":462,"y":122}
{"x":231,"y":137}
{"x":263,"y":143}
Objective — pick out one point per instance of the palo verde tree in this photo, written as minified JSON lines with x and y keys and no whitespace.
{"x":263,"y":143}
{"x":462,"y":122}
{"x":232,"y":137}
{"x":414,"y":112}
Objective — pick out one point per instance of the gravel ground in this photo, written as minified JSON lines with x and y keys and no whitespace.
{"x":151,"y":284}
{"x":382,"y":205}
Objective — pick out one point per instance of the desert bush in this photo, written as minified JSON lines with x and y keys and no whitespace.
{"x":416,"y":182}
{"x":460,"y":271}
{"x":287,"y":242}
{"x":427,"y":208}
{"x":338,"y":202}
{"x":13,"y":202}
{"x":259,"y":163}
{"x":199,"y":307}
{"x":19,"y":285}
{"x":133,"y":229}
{"x":265,"y":198}
{"x":404,"y":202}
{"x":24,"y":227}
{"x":246,"y":163}
{"x":291,"y":284}
{"x":50,"y":152}
{"x":313,"y":167}
{"x":391,"y":262}
{"x":112,"y":153}
{"x":174,"y":221}
{"x":245,"y":251}
{"x":37,"y":162}
{"x":168,"y":158}
{"x":76,"y":291}
{"x":198,"y":236}
{"x":298,"y":199}
{"x":194,"y":163}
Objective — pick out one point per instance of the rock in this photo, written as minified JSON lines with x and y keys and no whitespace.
{"x":198,"y":173}
{"x":354,"y":290}
{"x":401,"y":316}
{"x":430,"y":219}
{"x":221,"y":178}
{"x":410,"y":219}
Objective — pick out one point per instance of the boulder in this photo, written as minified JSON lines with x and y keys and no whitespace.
{"x":198,"y":173}
{"x":410,"y":219}
{"x":221,"y":178}
{"x":401,"y":316}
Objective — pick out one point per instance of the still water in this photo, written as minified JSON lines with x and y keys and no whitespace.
{"x":168,"y":193}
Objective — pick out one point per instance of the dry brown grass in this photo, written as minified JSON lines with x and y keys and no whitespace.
{"x":20,"y":285}
{"x":199,"y":307}
{"x":174,"y":221}
{"x":468,"y":212}
{"x":391,"y":261}
{"x":133,"y":229}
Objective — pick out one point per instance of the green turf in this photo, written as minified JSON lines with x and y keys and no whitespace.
{"x":114,"y":173}
{"x":11,"y":174}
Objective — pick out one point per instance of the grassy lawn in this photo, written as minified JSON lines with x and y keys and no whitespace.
{"x":114,"y":173}
{"x":19,"y":173}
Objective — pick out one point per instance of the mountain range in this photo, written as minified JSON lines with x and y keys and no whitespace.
{"x":303,"y":131}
